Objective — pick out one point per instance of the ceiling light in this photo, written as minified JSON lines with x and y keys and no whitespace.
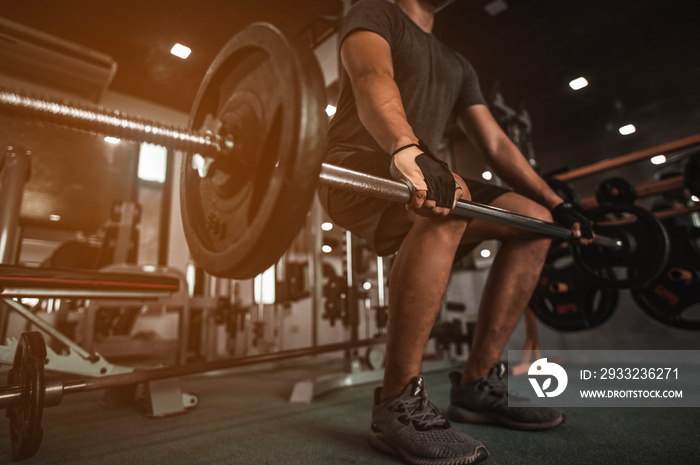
{"x":694,"y":198}
{"x":330,"y":110}
{"x":496,"y":7}
{"x":659,"y":159}
{"x":327,"y":226}
{"x":367,"y":285}
{"x":327,"y":249}
{"x":485,"y":253}
{"x":180,"y":51}
{"x":54,"y":217}
{"x":627,"y":129}
{"x":487,"y":175}
{"x":112,"y":140}
{"x":578,"y":83}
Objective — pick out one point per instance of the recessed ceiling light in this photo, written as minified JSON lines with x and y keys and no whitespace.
{"x":367,"y":285}
{"x":627,"y":129}
{"x":181,"y":51}
{"x":694,"y":198}
{"x":658,"y":159}
{"x":54,"y":217}
{"x":112,"y":140}
{"x":330,"y":110}
{"x":485,"y":253}
{"x":487,"y":175}
{"x":327,"y":226}
{"x":327,"y":249}
{"x":578,"y":83}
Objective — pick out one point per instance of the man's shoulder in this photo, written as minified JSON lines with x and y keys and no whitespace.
{"x":384,"y":7}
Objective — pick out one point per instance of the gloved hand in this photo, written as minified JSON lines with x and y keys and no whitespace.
{"x":421,"y":170}
{"x":569,"y":216}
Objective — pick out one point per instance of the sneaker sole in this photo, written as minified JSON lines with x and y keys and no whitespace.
{"x":377,"y":441}
{"x":467,"y":416}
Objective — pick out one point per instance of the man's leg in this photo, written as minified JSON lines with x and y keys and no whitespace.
{"x":511,"y":281}
{"x":478,"y":394}
{"x":404,"y":421}
{"x":417,"y":284}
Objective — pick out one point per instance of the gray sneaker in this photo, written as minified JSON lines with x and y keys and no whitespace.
{"x":412,"y":428}
{"x":485,"y":400}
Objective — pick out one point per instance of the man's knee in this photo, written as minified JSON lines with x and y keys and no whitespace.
{"x":540,"y":212}
{"x":450,"y":228}
{"x":535,"y":210}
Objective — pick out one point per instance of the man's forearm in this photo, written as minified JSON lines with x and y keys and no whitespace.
{"x":511,"y":166}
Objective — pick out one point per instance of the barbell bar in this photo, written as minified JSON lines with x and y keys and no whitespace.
{"x":114,"y":123}
{"x":361,"y":183}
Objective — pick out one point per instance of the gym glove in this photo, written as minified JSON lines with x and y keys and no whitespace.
{"x":566,"y":214}
{"x":436,"y":174}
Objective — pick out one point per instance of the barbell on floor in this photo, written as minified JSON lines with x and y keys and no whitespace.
{"x":28,"y":391}
{"x":255,"y":157}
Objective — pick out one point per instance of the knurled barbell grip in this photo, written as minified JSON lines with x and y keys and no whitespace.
{"x":343,"y":178}
{"x":106,"y":122}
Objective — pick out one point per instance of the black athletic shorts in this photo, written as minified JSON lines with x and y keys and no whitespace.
{"x":360,"y":214}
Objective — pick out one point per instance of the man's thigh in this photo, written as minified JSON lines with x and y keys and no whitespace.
{"x":381,"y":223}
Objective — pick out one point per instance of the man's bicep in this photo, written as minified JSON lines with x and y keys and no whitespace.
{"x":366,"y":53}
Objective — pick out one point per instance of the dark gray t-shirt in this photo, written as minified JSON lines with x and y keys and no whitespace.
{"x":434,"y":81}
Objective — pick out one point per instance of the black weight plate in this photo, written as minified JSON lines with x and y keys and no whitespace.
{"x":266,"y":89}
{"x":673,"y":298}
{"x":643,"y":255}
{"x":568,"y":300}
{"x":615,"y":190}
{"x":691,"y":173}
{"x":27,"y":372}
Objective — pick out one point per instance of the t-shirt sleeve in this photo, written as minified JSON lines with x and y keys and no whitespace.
{"x":470,"y":93}
{"x":369,"y":15}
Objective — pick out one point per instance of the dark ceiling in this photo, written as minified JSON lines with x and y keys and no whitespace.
{"x":641,"y":57}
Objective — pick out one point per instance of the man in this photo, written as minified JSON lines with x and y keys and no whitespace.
{"x":399,"y":88}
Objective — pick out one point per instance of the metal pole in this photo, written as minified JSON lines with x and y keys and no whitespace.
{"x":626,"y":159}
{"x":184,"y":370}
{"x":15,"y":171}
{"x":14,"y":174}
{"x":315,"y":244}
{"x":395,"y":191}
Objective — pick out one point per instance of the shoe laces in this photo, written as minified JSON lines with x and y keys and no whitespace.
{"x":496,"y":387}
{"x":421,"y":412}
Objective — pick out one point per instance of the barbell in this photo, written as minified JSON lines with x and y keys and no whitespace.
{"x":28,"y":390}
{"x":254,"y":157}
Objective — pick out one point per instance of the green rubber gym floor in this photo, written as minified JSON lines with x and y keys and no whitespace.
{"x":245,"y":418}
